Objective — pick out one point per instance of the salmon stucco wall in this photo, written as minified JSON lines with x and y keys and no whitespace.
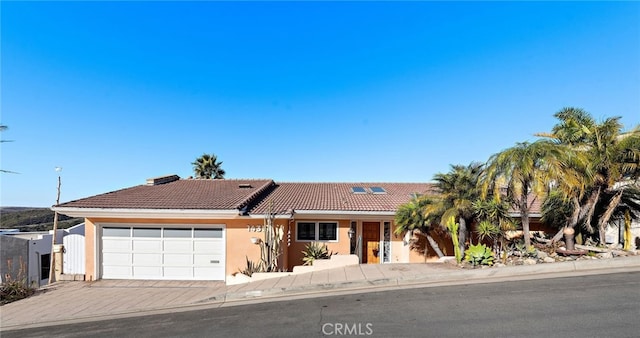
{"x":238,"y":232}
{"x":341,"y":246}
{"x":89,"y":250}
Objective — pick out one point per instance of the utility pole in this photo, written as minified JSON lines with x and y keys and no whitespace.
{"x":55,"y":230}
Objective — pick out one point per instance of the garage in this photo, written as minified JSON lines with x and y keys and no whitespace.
{"x":176,"y":252}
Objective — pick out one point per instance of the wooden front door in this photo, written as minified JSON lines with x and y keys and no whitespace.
{"x":370,"y":242}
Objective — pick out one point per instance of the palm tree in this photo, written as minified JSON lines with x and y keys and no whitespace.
{"x":413,"y":216}
{"x":611,"y":173}
{"x":522,"y":174}
{"x":458,"y":191}
{"x":208,"y":167}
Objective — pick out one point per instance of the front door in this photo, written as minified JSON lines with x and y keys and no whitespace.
{"x":370,"y":242}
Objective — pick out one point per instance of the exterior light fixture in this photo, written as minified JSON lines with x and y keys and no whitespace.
{"x":351,"y":232}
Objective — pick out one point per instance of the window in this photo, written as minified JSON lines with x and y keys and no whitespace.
{"x":306,"y":231}
{"x":358,"y":190}
{"x":148,"y":233}
{"x":378,"y":190}
{"x":327,"y":231}
{"x":317,"y":231}
{"x":207,"y":233}
{"x":116,"y":232}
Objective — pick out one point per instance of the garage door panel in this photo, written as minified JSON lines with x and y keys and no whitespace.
{"x":147,"y":259}
{"x":147,"y":246}
{"x":178,"y":259}
{"x":116,"y":245}
{"x":151,"y":272}
{"x":117,"y":271}
{"x":174,"y":246}
{"x":206,"y":260}
{"x":122,"y":259}
{"x":177,"y":272}
{"x":208,"y":273}
{"x":210,"y":247}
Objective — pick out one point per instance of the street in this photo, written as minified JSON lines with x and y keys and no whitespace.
{"x":605,"y":305}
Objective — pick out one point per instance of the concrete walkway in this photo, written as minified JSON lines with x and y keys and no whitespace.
{"x":71,"y":302}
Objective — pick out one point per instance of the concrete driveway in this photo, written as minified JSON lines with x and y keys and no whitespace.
{"x":79,"y":301}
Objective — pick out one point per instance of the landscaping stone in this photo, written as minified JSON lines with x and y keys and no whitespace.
{"x":605,"y":255}
{"x":542,"y":255}
{"x":548,"y":260}
{"x":530,"y":261}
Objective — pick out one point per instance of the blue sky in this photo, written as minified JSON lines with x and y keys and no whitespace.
{"x":117,"y":92}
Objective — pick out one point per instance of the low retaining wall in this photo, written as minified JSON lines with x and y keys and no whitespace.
{"x":336,"y":261}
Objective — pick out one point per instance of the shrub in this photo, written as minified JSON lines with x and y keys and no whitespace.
{"x":12,"y":289}
{"x":315,"y":251}
{"x":479,"y":254}
{"x":251,"y":268}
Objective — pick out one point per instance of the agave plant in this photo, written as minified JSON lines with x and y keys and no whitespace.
{"x":251,"y":268}
{"x":315,"y":250}
{"x":479,"y":254}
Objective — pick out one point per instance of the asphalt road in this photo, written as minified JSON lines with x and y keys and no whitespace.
{"x":586,"y":306}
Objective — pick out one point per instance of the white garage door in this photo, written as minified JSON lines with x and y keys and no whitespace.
{"x":170,"y":253}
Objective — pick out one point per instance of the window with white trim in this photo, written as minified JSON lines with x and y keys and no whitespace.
{"x":317,"y":231}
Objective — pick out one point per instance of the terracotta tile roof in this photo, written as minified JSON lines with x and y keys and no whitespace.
{"x":339,"y":197}
{"x":179,"y":194}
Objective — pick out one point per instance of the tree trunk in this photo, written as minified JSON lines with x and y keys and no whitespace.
{"x":462,"y":234}
{"x":604,"y":219}
{"x":524,"y":211}
{"x":569,"y":238}
{"x":434,"y":245}
{"x":589,"y":208}
{"x":557,"y":237}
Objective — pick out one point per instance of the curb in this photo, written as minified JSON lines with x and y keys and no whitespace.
{"x":630,"y":263}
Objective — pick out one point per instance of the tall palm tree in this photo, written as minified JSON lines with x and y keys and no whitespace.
{"x":413,"y":216}
{"x":522,"y":174}
{"x":458,"y":191}
{"x":611,"y":174}
{"x":208,"y":167}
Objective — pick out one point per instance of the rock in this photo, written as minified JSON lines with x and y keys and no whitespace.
{"x":499,"y":265}
{"x":530,"y":261}
{"x":542,"y":255}
{"x":548,"y":260}
{"x":605,"y":255}
{"x":618,"y":253}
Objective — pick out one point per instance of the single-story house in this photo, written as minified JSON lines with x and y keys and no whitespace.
{"x":196,"y":229}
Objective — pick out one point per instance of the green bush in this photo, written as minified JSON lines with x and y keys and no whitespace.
{"x":315,"y":251}
{"x":479,"y":254}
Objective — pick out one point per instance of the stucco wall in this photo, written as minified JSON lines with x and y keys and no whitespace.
{"x":15,"y":257}
{"x":342,"y":246}
{"x":238,"y":239}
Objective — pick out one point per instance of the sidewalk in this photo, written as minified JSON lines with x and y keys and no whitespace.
{"x":72,"y":302}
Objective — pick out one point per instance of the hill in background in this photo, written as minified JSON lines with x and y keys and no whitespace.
{"x":33,"y":219}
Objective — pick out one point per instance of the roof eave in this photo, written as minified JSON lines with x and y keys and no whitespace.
{"x":147,"y":213}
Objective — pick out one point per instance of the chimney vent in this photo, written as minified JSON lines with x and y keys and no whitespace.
{"x":162,"y":179}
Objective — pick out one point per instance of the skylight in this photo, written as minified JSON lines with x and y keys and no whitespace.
{"x":358,"y":190}
{"x":378,"y":190}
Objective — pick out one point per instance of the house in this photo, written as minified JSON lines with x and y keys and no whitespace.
{"x":193,"y":229}
{"x":27,"y":255}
